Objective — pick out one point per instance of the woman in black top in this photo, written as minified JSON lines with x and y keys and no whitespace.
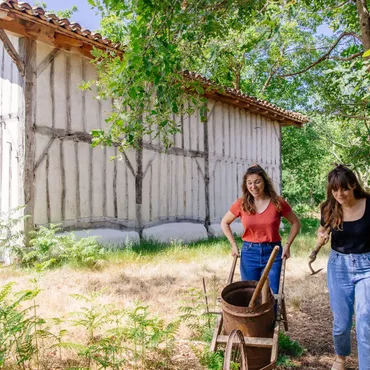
{"x":346,"y":213}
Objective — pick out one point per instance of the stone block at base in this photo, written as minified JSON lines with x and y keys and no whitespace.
{"x":109,"y":237}
{"x":180,"y":232}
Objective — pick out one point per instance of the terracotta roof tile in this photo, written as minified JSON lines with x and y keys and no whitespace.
{"x":247,"y":100}
{"x":40,"y":13}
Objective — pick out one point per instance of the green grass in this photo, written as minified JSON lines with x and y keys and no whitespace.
{"x":306,"y":239}
{"x":150,"y":251}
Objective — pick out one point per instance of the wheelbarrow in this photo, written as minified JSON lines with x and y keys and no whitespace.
{"x":242,"y":350}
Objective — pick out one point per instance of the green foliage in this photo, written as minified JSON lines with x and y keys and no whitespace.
{"x":272,"y":50}
{"x":111,"y":338}
{"x":11,"y":234}
{"x":194,"y":314}
{"x":61,"y":13}
{"x":288,"y":347}
{"x":48,"y":250}
{"x":213,"y":360}
{"x":21,"y":329}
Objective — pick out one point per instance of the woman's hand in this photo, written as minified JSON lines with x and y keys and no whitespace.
{"x":322,"y":238}
{"x":234,"y":250}
{"x":286,"y":251}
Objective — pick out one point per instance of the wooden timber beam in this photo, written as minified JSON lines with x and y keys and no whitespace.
{"x":67,"y":42}
{"x":33,"y":27}
{"x":27,"y":129}
{"x":46,"y":61}
{"x":12,"y":52}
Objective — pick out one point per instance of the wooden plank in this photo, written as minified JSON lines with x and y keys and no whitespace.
{"x":174,"y":150}
{"x":216,"y":334}
{"x":139,"y":185}
{"x":44,"y":153}
{"x":206,"y":177}
{"x":66,"y":41}
{"x":46,"y":61}
{"x":12,"y":52}
{"x":249,"y":341}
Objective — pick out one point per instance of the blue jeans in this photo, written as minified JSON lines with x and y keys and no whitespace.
{"x":254,"y":257}
{"x":349,"y":288}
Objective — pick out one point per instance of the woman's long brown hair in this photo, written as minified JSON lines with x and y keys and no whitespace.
{"x":341,"y":177}
{"x":248,"y":199}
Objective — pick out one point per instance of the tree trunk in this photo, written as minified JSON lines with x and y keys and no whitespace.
{"x":364,"y":17}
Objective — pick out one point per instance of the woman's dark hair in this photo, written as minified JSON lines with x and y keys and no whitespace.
{"x":341,"y":177}
{"x":248,"y":199}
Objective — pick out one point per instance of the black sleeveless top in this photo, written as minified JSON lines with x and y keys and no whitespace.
{"x":355,"y":236}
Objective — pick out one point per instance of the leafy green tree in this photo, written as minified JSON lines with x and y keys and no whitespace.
{"x":270,"y":49}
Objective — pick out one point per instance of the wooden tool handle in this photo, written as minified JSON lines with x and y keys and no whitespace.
{"x":264,"y":276}
{"x":231,"y":275}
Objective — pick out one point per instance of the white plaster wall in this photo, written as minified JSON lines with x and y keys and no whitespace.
{"x":238,"y":139}
{"x":10,"y":137}
{"x":76,"y":184}
{"x":79,"y":185}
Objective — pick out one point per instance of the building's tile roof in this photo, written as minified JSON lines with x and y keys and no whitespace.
{"x":52,"y":19}
{"x":228,"y":95}
{"x":246,"y":101}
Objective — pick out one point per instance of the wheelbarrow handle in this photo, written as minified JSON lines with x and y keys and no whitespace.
{"x":232,"y":270}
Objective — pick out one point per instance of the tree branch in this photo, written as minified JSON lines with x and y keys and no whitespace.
{"x":354,"y":56}
{"x":323,"y":57}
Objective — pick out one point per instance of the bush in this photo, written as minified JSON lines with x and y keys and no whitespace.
{"x":49,"y":250}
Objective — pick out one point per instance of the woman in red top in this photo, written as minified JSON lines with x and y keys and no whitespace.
{"x":260,"y":210}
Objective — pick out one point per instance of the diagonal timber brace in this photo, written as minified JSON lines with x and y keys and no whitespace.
{"x":12,"y":52}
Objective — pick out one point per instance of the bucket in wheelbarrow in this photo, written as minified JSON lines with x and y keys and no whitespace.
{"x":252,"y":322}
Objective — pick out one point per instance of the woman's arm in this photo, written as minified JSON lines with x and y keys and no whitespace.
{"x":322,"y":238}
{"x":225,"y":226}
{"x":294,"y":229}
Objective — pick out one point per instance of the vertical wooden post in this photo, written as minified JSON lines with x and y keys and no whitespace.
{"x":139,"y":185}
{"x":27,"y":130}
{"x":207,"y":220}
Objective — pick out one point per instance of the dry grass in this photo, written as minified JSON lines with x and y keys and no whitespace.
{"x":161,"y":279}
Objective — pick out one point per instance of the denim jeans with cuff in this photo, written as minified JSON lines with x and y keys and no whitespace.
{"x":254,"y":257}
{"x":349,"y":290}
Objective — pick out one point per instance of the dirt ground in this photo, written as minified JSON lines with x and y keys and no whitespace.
{"x":309,"y":319}
{"x":311,"y":323}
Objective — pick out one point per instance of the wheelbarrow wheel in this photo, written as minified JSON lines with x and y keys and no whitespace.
{"x":235,"y":352}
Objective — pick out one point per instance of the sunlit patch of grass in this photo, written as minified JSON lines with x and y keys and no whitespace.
{"x":153,"y":252}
